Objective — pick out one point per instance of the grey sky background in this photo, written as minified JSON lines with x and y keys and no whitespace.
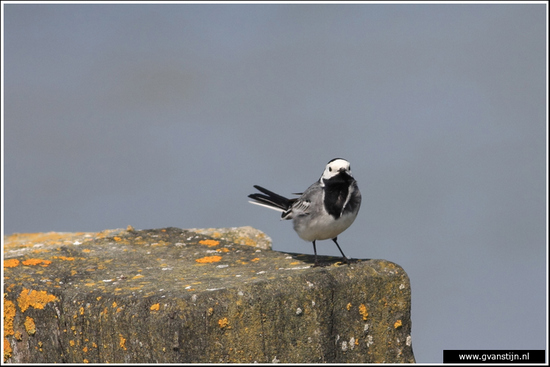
{"x":166,"y":115}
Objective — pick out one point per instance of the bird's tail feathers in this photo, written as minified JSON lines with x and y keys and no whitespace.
{"x":270,"y":200}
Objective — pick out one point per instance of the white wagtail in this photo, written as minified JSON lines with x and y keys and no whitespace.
{"x":326,"y":209}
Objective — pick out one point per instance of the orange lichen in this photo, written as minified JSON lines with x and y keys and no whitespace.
{"x":348,"y":306}
{"x":224,"y":323}
{"x":24,"y":239}
{"x":117,"y":239}
{"x":246,"y":241}
{"x":210,"y":243}
{"x":363,"y":311}
{"x":41,"y":262}
{"x":249,"y":242}
{"x":11,"y":263}
{"x":7,"y":349}
{"x":223,"y":249}
{"x":255,"y":259}
{"x":122,"y":342}
{"x":8,"y":288}
{"x":18,"y":336}
{"x":209,"y":259}
{"x":397,"y":324}
{"x":30,"y":326}
{"x":155,"y":307}
{"x":9,"y":315}
{"x":35,"y":299}
{"x":66,"y":258}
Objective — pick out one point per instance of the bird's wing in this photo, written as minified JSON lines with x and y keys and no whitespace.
{"x":311,"y":196}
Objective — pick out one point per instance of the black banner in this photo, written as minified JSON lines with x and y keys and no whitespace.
{"x":494,"y":356}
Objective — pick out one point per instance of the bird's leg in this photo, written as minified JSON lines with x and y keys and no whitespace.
{"x":344,"y":258}
{"x":316,"y":263}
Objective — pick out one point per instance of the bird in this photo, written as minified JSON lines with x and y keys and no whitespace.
{"x":327,"y":208}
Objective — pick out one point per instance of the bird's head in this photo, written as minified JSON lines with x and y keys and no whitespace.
{"x":337,"y":168}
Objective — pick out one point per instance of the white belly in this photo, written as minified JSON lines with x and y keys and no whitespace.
{"x":321,"y":227}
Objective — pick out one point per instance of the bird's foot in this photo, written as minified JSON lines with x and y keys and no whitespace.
{"x":318,"y":264}
{"x":347,"y":261}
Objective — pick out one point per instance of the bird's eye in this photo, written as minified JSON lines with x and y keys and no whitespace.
{"x":330,"y":169}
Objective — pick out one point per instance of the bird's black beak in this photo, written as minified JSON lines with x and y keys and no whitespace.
{"x":344,"y":175}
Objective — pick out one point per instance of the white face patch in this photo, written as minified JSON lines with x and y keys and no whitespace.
{"x":334,"y":167}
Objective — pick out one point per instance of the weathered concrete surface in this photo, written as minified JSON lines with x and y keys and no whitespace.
{"x":174,"y":295}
